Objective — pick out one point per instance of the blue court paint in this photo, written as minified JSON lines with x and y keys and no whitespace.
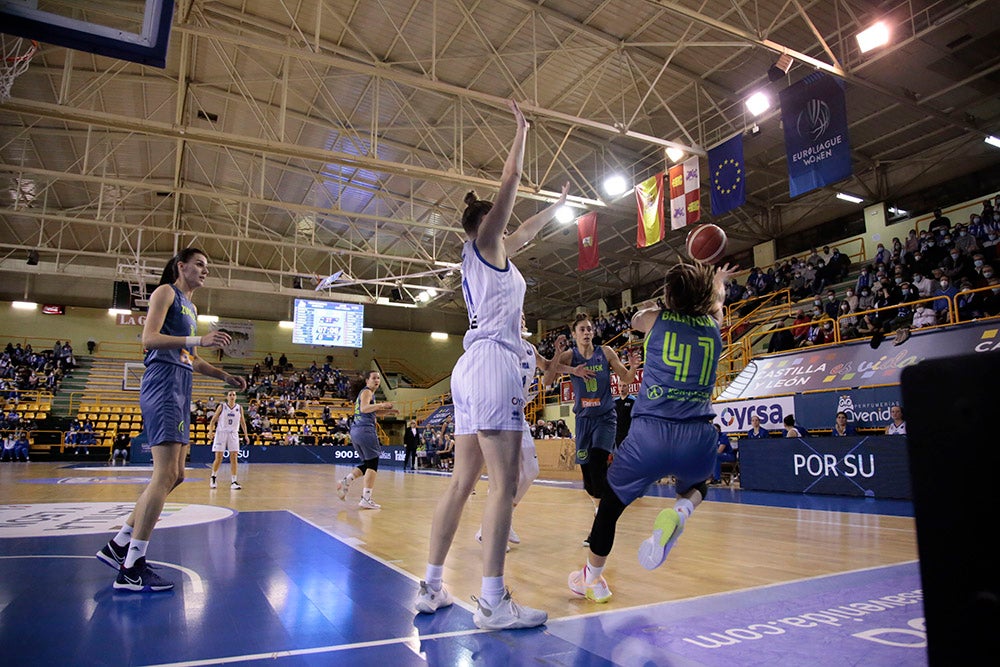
{"x":278,"y":591}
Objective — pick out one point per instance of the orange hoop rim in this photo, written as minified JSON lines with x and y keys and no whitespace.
{"x":27,"y":55}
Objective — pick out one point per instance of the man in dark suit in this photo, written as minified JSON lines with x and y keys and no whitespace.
{"x":411,"y":438}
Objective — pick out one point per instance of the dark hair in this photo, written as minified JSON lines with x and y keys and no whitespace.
{"x":360,"y":383}
{"x":580,"y":317}
{"x":183,"y":257}
{"x":842,"y":413}
{"x":475,"y":209}
{"x":690,"y":288}
{"x":789,"y":420}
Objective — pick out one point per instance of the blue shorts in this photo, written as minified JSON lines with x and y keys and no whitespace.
{"x":655,"y":448}
{"x":165,"y":399}
{"x":595,"y":433}
{"x":366,"y":443}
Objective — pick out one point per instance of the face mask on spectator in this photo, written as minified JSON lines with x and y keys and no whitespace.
{"x":917,"y":277}
{"x":850,"y":292}
{"x":961,"y":233}
{"x":947,"y":240}
{"x":978,"y":263}
{"x":898,"y":280}
{"x":817,"y":312}
{"x":954,"y":255}
{"x":987,"y":274}
{"x":975,"y":219}
{"x":828,"y":326}
{"x":944,"y":284}
{"x":865,"y":292}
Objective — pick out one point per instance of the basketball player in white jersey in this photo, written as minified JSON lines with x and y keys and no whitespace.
{"x":488,"y":395}
{"x":226,"y":424}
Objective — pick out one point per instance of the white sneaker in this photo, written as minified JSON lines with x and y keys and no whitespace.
{"x":667,"y":527}
{"x":342,"y":486}
{"x":513,"y":537}
{"x":367,"y":504}
{"x":506,"y":615}
{"x":479,"y":537}
{"x":429,"y":600}
{"x":235,"y":486}
{"x":597,"y":591}
{"x":211,"y":482}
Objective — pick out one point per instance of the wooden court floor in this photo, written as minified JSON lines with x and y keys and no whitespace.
{"x":726,"y":547}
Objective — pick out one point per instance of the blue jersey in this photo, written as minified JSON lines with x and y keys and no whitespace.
{"x":362,"y":420}
{"x":593,"y":396}
{"x":494,"y":297}
{"x":682,"y":356}
{"x":181,"y":320}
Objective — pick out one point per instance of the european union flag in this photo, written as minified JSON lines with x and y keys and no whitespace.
{"x":728,"y":176}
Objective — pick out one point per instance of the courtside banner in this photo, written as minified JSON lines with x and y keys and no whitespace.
{"x":857,"y":364}
{"x":817,"y":147}
{"x":871,"y":467}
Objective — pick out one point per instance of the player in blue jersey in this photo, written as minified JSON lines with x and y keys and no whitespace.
{"x":364,"y":437}
{"x":671,"y":431}
{"x":169,"y":337}
{"x":488,"y":394}
{"x":593,"y":403}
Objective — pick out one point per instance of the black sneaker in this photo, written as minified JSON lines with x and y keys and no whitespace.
{"x":141,"y":578}
{"x":112,"y":555}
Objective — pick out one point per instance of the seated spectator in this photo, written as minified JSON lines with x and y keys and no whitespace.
{"x":840,"y":265}
{"x":848,"y":322}
{"x":865,"y":280}
{"x":832,"y":307}
{"x":120,"y":448}
{"x":446,"y":455}
{"x":798,"y":286}
{"x":791,"y":430}
{"x":866,"y":299}
{"x":562,"y":431}
{"x":966,"y":242}
{"x":851,"y":299}
{"x":924,"y":285}
{"x":841,"y":427}
{"x":897,"y":426}
{"x":756,"y":432}
{"x":782,"y":339}
{"x":9,"y":440}
{"x":724,"y":453}
{"x":941,"y":306}
{"x":924,"y":316}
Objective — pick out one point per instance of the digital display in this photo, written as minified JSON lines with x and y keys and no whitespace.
{"x":328,"y":323}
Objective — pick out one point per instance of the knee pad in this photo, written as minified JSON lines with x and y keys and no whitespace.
{"x":370,"y":464}
{"x":702,"y":488}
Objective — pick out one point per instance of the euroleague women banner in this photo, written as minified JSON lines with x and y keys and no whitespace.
{"x":817,"y":147}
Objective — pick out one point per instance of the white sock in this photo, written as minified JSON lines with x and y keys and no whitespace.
{"x":434,"y":576}
{"x":366,"y":494}
{"x":684,"y":506}
{"x":124,"y":536}
{"x":592,"y":573}
{"x":492,"y":590}
{"x":234,"y":478}
{"x":136,"y":550}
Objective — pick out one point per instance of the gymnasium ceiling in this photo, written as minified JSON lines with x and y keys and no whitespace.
{"x":301,"y":138}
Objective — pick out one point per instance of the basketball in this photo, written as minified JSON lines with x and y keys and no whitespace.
{"x":706,"y":243}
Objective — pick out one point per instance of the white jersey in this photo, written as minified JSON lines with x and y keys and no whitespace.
{"x":892,"y":429}
{"x":229,"y":419}
{"x":494,"y":297}
{"x":528,"y":366}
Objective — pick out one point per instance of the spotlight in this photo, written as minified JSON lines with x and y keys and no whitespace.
{"x":875,"y":36}
{"x":32,"y":258}
{"x":758,"y":103}
{"x":675,"y":154}
{"x":565,"y":214}
{"x":615,"y":185}
{"x":780,"y":68}
{"x":993,"y":141}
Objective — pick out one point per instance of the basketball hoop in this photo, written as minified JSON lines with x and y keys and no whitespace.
{"x":17,"y":55}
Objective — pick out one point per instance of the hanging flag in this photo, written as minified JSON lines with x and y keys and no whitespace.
{"x":685,"y":193}
{"x":817,"y":147}
{"x":649,"y":196}
{"x":586,"y":233}
{"x":729,"y":179}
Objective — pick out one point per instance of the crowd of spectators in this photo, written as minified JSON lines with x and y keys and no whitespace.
{"x":24,"y":369}
{"x":313,"y":383}
{"x":546,"y":430}
{"x":946,"y":261}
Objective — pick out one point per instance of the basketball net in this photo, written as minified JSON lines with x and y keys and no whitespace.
{"x":17,"y":55}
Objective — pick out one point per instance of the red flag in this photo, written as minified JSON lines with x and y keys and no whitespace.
{"x":586,"y":233}
{"x":685,"y":193}
{"x":649,"y":197}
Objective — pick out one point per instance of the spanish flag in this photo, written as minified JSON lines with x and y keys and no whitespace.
{"x":649,"y":196}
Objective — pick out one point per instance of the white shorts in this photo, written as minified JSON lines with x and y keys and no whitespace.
{"x":528,"y":471}
{"x":226,"y":442}
{"x":487,"y":390}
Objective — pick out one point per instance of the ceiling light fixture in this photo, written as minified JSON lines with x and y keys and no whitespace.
{"x":674,"y":154}
{"x":872,"y":38}
{"x":758,"y":103}
{"x":565,"y":214}
{"x":993,"y":141}
{"x":24,"y":305}
{"x":615,"y":185}
{"x":851,"y":198}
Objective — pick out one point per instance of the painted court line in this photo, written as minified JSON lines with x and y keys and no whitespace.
{"x":197,"y":584}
